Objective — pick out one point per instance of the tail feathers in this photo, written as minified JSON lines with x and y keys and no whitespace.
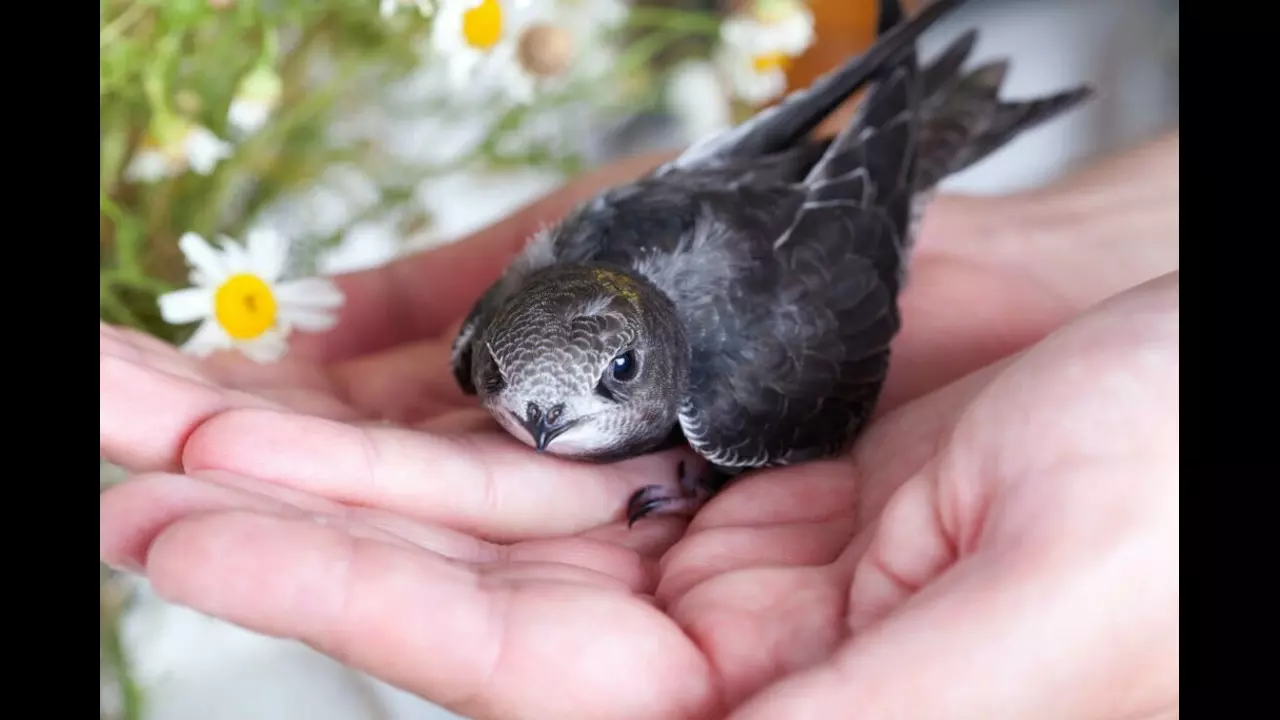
{"x":964,"y":120}
{"x":890,"y":16}
{"x":1011,"y":119}
{"x":783,"y":125}
{"x":945,"y":69}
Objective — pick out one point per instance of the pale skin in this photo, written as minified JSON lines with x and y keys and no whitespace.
{"x":1002,"y":543}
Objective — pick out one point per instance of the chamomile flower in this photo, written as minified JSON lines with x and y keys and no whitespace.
{"x":174,"y":145}
{"x":559,"y":41}
{"x":757,"y":47}
{"x":255,"y":99}
{"x":388,"y":8}
{"x":241,"y":301}
{"x":473,"y":36}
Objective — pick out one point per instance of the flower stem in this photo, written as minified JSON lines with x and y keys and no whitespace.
{"x":676,"y":20}
{"x":121,"y":23}
{"x":116,"y":657}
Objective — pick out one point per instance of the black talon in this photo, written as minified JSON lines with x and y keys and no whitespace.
{"x":643,"y":502}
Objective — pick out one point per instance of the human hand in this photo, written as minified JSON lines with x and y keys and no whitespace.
{"x":591,"y":588}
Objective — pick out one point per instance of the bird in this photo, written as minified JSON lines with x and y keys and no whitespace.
{"x":741,"y":299}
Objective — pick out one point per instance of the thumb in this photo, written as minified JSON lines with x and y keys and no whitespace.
{"x":1028,"y":622}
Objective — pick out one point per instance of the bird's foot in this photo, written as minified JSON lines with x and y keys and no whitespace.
{"x":691,"y":492}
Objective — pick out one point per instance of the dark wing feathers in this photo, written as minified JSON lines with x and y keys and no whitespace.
{"x":963,"y":118}
{"x":791,"y":378}
{"x":799,"y":381}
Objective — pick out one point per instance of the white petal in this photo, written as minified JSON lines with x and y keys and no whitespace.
{"x":462,"y":69}
{"x":207,"y":339}
{"x":307,"y":319}
{"x":203,"y":258}
{"x":698,"y":100}
{"x":149,"y":166}
{"x":794,"y":35}
{"x":387,"y":8}
{"x":235,"y":256}
{"x":521,"y":87}
{"x":266,"y":348}
{"x":248,"y":116}
{"x":183,"y":306}
{"x":763,"y":87}
{"x":311,"y":293}
{"x":739,"y":31}
{"x":268,"y":252}
{"x":205,"y":150}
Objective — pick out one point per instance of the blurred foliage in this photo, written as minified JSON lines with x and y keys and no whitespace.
{"x":170,"y":67}
{"x":185,"y":59}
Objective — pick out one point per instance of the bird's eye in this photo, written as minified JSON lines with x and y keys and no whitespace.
{"x":625,"y":366}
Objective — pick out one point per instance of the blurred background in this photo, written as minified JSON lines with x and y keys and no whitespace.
{"x":364,"y":129}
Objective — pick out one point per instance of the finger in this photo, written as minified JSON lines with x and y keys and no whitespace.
{"x":762,"y":623}
{"x":960,"y":315}
{"x":1043,"y":628}
{"x":139,"y":348}
{"x":415,"y":298}
{"x":133,"y":513}
{"x":991,"y":276}
{"x":913,"y":543}
{"x":404,"y":384}
{"x":145,"y":415}
{"x":812,"y":492}
{"x":595,"y":552}
{"x":714,"y":552}
{"x":460,"y":422}
{"x":650,"y":539}
{"x":1053,"y":593}
{"x":483,"y":484}
{"x":433,"y":627}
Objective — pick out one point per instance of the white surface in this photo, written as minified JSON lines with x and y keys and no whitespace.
{"x":196,"y":668}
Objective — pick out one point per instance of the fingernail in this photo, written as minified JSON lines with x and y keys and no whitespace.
{"x":126,"y":565}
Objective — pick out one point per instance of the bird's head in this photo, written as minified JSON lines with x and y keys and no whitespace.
{"x":584,"y":361}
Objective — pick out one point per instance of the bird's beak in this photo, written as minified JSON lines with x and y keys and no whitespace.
{"x":543,"y":433}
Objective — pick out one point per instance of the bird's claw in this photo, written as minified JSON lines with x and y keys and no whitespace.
{"x":653,"y":498}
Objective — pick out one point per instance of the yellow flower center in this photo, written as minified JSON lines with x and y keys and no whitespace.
{"x":770,"y":62}
{"x":482,"y":24}
{"x":244,"y":306}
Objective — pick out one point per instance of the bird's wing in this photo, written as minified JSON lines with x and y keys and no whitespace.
{"x":798,"y":357}
{"x":788,"y":367}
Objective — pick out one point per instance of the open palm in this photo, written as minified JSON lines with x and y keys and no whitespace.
{"x":499,"y":583}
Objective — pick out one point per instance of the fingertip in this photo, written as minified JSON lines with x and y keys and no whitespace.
{"x":145,"y":416}
{"x":133,"y":513}
{"x":269,"y":574}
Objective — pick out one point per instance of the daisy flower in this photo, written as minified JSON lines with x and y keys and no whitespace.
{"x":559,"y":41}
{"x":174,"y":145}
{"x":388,"y":8}
{"x":757,"y":47}
{"x":255,"y":99}
{"x":473,"y":36}
{"x":241,"y":301}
